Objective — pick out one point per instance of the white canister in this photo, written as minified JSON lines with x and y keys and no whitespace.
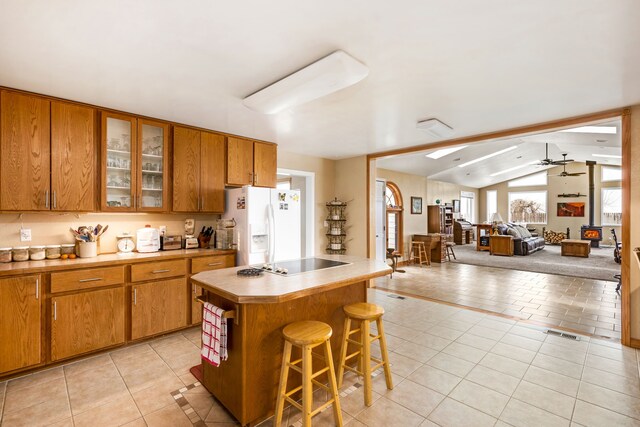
{"x":336,"y":246}
{"x":88,"y":249}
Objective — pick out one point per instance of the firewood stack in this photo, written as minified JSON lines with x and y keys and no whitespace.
{"x":554,"y":237}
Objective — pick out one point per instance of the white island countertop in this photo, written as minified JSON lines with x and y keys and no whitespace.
{"x":274,"y":288}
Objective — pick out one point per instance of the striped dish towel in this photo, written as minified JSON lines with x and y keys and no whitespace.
{"x":214,"y":334}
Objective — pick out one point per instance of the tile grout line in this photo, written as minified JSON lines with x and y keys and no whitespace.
{"x":66,"y":389}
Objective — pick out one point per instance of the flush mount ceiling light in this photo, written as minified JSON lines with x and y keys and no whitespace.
{"x":488,"y":156}
{"x":444,"y":151}
{"x":593,"y":129}
{"x":608,"y":156}
{"x":435,"y":127}
{"x":513,"y":169}
{"x":323,"y":77}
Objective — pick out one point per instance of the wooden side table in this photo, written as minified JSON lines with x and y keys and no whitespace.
{"x":574,"y":247}
{"x":501,"y":245}
{"x":482,"y":233}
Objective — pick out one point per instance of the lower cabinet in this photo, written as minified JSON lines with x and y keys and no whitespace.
{"x":158,"y":307}
{"x":206,"y":264}
{"x":20,"y":315}
{"x":86,"y":321}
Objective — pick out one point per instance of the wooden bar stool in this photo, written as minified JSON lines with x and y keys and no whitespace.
{"x":307,"y":335}
{"x":419,"y":253}
{"x":450,"y":252}
{"x":366,"y":313}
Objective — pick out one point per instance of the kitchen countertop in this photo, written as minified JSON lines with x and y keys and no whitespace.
{"x":274,"y":288}
{"x":103,"y":260}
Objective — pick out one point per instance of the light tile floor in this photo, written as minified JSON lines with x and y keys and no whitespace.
{"x":451,"y":367}
{"x":582,"y":305}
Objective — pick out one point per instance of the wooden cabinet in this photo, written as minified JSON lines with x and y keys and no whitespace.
{"x":158,"y":307}
{"x":251,"y":163}
{"x":24,"y":152}
{"x":86,"y":321}
{"x":198,"y":171}
{"x":20,"y":326}
{"x":135,"y":154}
{"x":206,"y":264}
{"x":73,"y":158}
{"x":501,"y":245}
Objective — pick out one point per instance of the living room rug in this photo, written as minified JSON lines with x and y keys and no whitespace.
{"x":600,"y":264}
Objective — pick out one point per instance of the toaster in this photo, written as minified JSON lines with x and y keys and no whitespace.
{"x":169,"y":243}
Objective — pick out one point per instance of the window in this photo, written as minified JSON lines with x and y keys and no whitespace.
{"x":467,"y":206}
{"x":394,"y":217}
{"x":539,"y":178}
{"x":492,"y":203}
{"x":528,"y":207}
{"x":611,"y":206}
{"x":611,"y":174}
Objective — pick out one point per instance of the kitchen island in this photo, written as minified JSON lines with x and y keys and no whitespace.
{"x":246,"y":384}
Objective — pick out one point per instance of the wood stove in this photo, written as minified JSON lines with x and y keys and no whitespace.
{"x":591,"y":232}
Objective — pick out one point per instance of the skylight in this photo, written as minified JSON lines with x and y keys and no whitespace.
{"x":488,"y":156}
{"x":593,"y":129}
{"x":444,"y":151}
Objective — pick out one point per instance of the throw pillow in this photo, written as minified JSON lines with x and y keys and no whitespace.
{"x":511,"y":231}
{"x":524,"y":232}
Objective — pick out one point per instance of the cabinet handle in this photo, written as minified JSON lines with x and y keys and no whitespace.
{"x":139,"y":206}
{"x":255,"y":178}
{"x":250,"y":178}
{"x":37,"y":288}
{"x":212,"y":264}
{"x":202,"y":204}
{"x":198,"y":203}
{"x":93,"y":279}
{"x":55,"y":202}
{"x":55,"y":310}
{"x":135,"y":296}
{"x":160,"y":271}
{"x":46,"y":199}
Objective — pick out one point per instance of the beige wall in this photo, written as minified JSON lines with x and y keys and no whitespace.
{"x":635,"y":222}
{"x":446,"y":192}
{"x":325,"y":183}
{"x":351,"y":187}
{"x":558,"y":185}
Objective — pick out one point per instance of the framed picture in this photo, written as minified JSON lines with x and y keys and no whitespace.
{"x":571,"y":209}
{"x":416,"y":205}
{"x":456,"y":206}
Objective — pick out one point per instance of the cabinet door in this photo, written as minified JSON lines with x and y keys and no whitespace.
{"x":158,"y":307}
{"x":24,"y":152}
{"x":19,"y":322}
{"x":186,"y":170}
{"x":212,"y":172}
{"x":119,"y":162}
{"x":86,"y":321}
{"x":239,"y":161}
{"x":153,"y":154}
{"x":265,"y":164}
{"x":74,"y":180}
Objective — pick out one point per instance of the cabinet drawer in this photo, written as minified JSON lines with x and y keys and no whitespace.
{"x":158,"y":270}
{"x":212,"y":263}
{"x":86,"y":279}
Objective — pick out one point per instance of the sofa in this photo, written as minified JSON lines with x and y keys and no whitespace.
{"x":523,"y":242}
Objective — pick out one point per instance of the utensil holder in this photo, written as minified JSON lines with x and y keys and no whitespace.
{"x":88,"y":249}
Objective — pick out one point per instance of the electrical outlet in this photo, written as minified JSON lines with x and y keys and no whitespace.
{"x":25,"y":234}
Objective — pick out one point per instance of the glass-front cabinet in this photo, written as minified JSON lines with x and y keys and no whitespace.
{"x":134,"y":153}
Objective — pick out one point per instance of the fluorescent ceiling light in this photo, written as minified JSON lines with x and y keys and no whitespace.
{"x":327,"y":75}
{"x":513,"y":169}
{"x":593,"y":129}
{"x":488,"y":156}
{"x":608,"y":156}
{"x":444,"y":151}
{"x":435,"y":127}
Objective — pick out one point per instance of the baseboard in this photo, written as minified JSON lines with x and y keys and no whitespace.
{"x":635,"y":343}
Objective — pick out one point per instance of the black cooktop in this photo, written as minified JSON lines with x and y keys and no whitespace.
{"x":296,"y":266}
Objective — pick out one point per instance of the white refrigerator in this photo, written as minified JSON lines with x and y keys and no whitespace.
{"x":267,"y":224}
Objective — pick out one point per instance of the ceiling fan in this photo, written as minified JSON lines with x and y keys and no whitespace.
{"x":549,"y":162}
{"x":564,"y":172}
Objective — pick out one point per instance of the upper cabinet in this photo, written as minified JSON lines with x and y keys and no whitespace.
{"x":134,"y":153}
{"x":251,"y":163}
{"x":198,"y":171}
{"x":47,"y":154}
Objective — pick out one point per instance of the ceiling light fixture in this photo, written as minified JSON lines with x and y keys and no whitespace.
{"x":513,"y":169}
{"x":435,"y":127}
{"x":323,"y":77}
{"x":593,"y":129}
{"x":444,"y":151}
{"x":488,"y":156}
{"x":608,"y":156}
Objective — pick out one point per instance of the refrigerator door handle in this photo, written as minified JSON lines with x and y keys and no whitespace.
{"x":271,"y":230}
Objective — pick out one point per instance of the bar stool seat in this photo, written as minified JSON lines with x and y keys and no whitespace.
{"x":365,"y":313}
{"x":307,"y":335}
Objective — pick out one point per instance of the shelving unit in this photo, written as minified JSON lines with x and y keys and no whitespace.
{"x":336,"y":231}
{"x":440,"y":219}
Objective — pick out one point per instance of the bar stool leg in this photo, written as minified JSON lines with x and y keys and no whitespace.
{"x":343,"y":350}
{"x":282,"y":389}
{"x":366,"y":360}
{"x":337,"y":411}
{"x":385,"y":355}
{"x":307,"y":387}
